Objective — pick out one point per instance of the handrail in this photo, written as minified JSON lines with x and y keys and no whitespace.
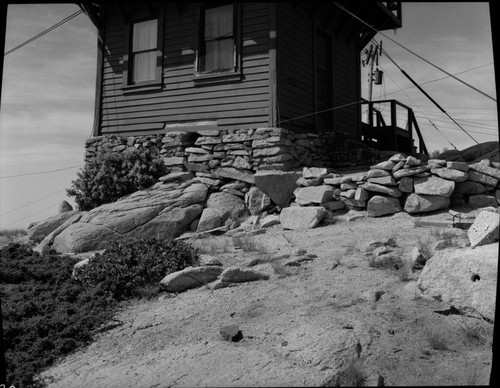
{"x":411,"y":122}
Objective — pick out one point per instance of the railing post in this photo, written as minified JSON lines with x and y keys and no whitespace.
{"x":393,"y":123}
{"x":410,"y":127}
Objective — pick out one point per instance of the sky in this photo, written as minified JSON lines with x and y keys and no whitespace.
{"x":48,"y":90}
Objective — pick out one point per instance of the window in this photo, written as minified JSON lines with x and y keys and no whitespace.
{"x":218,"y":47}
{"x":143,"y":61}
{"x":144,"y":46}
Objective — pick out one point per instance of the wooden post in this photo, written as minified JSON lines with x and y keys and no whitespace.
{"x":394,"y":124}
{"x":273,"y":79}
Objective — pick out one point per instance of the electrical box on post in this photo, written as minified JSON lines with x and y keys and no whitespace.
{"x":378,"y":76}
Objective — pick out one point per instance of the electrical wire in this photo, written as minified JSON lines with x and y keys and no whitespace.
{"x":412,"y":52}
{"x":68,"y":18}
{"x":41,"y":172}
{"x":31,"y":215}
{"x":442,"y":134}
{"x":320,"y":111}
{"x":31,"y":203}
{"x":429,"y":97}
{"x":442,"y":78}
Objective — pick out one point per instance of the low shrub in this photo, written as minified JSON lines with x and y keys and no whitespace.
{"x":111,"y":175}
{"x":133,"y":268}
{"x":47,"y":313}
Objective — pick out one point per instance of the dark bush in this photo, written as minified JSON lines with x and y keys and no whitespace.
{"x":133,"y":268}
{"x":112,"y":175}
{"x":45,"y":314}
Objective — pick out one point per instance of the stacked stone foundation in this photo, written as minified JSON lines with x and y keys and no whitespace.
{"x":246,"y":150}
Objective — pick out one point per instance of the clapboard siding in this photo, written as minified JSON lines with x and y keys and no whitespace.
{"x":347,"y":86}
{"x":243,"y":104}
{"x":295,"y":68}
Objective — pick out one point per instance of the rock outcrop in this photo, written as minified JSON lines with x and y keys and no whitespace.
{"x":163,"y":210}
{"x":466,"y":279}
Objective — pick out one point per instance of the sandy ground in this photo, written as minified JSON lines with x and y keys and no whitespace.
{"x":302,"y":327}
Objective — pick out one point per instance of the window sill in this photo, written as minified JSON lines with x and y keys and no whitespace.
{"x":213,"y":78}
{"x":145,"y":87}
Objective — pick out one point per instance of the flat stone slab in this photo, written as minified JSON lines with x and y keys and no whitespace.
{"x":433,"y":185}
{"x":241,"y":275}
{"x":485,"y":169}
{"x":299,"y":218}
{"x":392,"y":191}
{"x":190,"y":277}
{"x":378,"y":206}
{"x":450,"y":173}
{"x":313,"y":195}
{"x":417,"y":203}
{"x":278,"y":185}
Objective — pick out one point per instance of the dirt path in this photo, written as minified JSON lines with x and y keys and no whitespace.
{"x":300,"y":328}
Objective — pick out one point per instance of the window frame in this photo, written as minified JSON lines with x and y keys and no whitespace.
{"x":127,"y":85}
{"x":235,"y":74}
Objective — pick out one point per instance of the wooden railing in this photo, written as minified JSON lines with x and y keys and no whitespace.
{"x":392,"y":135}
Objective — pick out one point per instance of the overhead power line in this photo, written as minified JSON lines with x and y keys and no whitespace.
{"x":427,"y":95}
{"x":412,"y":52}
{"x":442,"y":78}
{"x":68,"y":18}
{"x":40,"y":172}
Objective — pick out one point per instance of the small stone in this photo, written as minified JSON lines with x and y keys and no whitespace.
{"x":406,"y":184}
{"x":176,"y":176}
{"x":377,"y":173}
{"x":64,"y":206}
{"x":482,"y":200}
{"x":387,"y":165}
{"x":361,"y":194}
{"x":314,"y":172}
{"x":412,"y":161}
{"x":384,"y":180}
{"x":392,"y":191}
{"x":462,"y":166}
{"x":333,"y":205}
{"x":348,"y":186}
{"x":241,"y":275}
{"x":231,"y":333}
{"x":378,"y":206}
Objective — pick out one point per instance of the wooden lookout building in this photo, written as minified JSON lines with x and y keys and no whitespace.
{"x":170,"y":66}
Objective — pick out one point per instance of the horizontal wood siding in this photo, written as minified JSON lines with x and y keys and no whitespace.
{"x":295,"y":68}
{"x":243,"y":104}
{"x":346,"y":86}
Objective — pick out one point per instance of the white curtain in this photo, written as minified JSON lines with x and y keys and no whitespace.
{"x":144,"y":47}
{"x":219,"y":39}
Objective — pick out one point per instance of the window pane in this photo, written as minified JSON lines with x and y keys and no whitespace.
{"x":226,"y":20}
{"x":226,"y":54}
{"x":219,"y":22}
{"x":211,"y":57}
{"x":145,"y":35}
{"x":144,"y":67}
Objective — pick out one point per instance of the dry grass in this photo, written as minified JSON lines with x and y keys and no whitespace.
{"x":436,"y":338}
{"x":405,"y":272}
{"x":475,"y":332}
{"x":425,"y":245}
{"x":212,"y":245}
{"x":249,"y":244}
{"x":280,"y":269}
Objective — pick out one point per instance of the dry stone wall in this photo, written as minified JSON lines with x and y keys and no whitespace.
{"x":402,"y":183}
{"x":230,"y":152}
